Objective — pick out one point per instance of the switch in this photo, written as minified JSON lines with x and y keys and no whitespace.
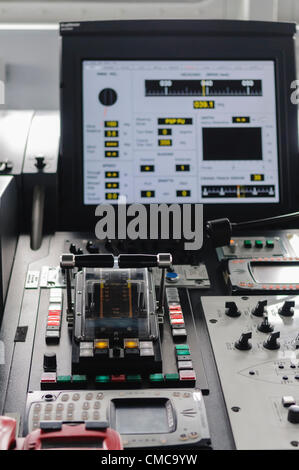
{"x":243,"y":343}
{"x":260,"y":308}
{"x":91,"y":247}
{"x":287,"y":310}
{"x":269,"y":243}
{"x":259,"y":244}
{"x":233,"y":246}
{"x":172,"y":277}
{"x":73,"y":248}
{"x":247,"y":244}
{"x":231,"y":309}
{"x":50,"y":362}
{"x":293,"y":414}
{"x":265,"y":326}
{"x":272,"y":342}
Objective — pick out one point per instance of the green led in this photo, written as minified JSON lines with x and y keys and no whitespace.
{"x":64,"y":379}
{"x":102,"y":379}
{"x":79,"y":378}
{"x":182,"y":346}
{"x":259,"y":243}
{"x":183,"y":352}
{"x":172,"y":377}
{"x":134,"y":378}
{"x":156,"y":378}
{"x":269,"y":243}
{"x":247,"y":244}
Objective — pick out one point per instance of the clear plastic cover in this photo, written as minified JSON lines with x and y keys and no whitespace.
{"x":116,"y":304}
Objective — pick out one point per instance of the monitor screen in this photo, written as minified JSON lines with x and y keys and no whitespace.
{"x":178,"y":131}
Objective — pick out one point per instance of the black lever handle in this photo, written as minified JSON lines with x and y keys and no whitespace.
{"x":96,"y":260}
{"x":162,"y":260}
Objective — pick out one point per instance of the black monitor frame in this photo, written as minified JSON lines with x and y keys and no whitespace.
{"x":175,"y":40}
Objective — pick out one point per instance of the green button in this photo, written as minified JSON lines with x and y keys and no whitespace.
{"x":259,"y":243}
{"x":102,"y":379}
{"x":247,"y":244}
{"x":156,"y":378}
{"x":134,"y":378}
{"x":79,"y":378}
{"x":269,"y":243}
{"x":183,"y":352}
{"x":64,"y":378}
{"x":182,"y":346}
{"x":172,"y":377}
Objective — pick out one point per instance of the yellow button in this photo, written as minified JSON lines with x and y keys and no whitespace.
{"x":101,"y":344}
{"x":131,"y":343}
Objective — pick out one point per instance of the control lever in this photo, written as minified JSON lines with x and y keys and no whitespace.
{"x":37,"y":217}
{"x":70,"y":261}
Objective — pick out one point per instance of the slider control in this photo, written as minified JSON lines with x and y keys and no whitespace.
{"x":231,"y":309}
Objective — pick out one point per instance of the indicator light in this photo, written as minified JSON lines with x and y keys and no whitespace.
{"x":101,"y":344}
{"x":131,"y":343}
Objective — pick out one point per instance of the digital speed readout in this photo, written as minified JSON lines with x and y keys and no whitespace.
{"x":179,"y":131}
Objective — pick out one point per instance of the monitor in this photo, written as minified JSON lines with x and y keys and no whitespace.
{"x":169,"y":131}
{"x":178,"y":111}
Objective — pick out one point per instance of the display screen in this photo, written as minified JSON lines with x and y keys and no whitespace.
{"x":143,"y":416}
{"x":277,"y":273}
{"x":180,"y":131}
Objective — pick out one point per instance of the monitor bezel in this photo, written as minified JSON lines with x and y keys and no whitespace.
{"x":154,"y":40}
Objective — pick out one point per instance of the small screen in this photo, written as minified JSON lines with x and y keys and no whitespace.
{"x":180,"y":131}
{"x":142,"y":417}
{"x":275,"y":273}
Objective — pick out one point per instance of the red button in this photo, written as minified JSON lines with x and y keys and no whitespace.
{"x":118,"y":378}
{"x":53,"y":323}
{"x":174,"y":316}
{"x":178,"y":321}
{"x":54,"y":312}
{"x":48,"y":377}
{"x":187,"y":375}
{"x":175,"y":309}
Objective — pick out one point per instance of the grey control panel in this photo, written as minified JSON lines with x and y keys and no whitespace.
{"x":182,"y":417}
{"x":255,"y":343}
{"x":253,"y":247}
{"x":185,"y":275}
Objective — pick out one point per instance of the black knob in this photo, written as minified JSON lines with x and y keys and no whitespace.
{"x":259,"y":309}
{"x":50,"y":363}
{"x":40,"y":162}
{"x":265,"y":326}
{"x":243,"y":343}
{"x":107,"y":96}
{"x":272,"y":343}
{"x":79,"y":251}
{"x":231,"y":309}
{"x":293,"y":414}
{"x":287,"y":310}
{"x":73,"y":248}
{"x":91,"y":247}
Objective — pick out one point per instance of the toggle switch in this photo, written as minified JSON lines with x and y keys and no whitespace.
{"x":243,"y":343}
{"x":271,"y":343}
{"x":231,"y":309}
{"x":260,"y":308}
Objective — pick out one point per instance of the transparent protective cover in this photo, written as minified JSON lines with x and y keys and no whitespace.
{"x":116,"y":304}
